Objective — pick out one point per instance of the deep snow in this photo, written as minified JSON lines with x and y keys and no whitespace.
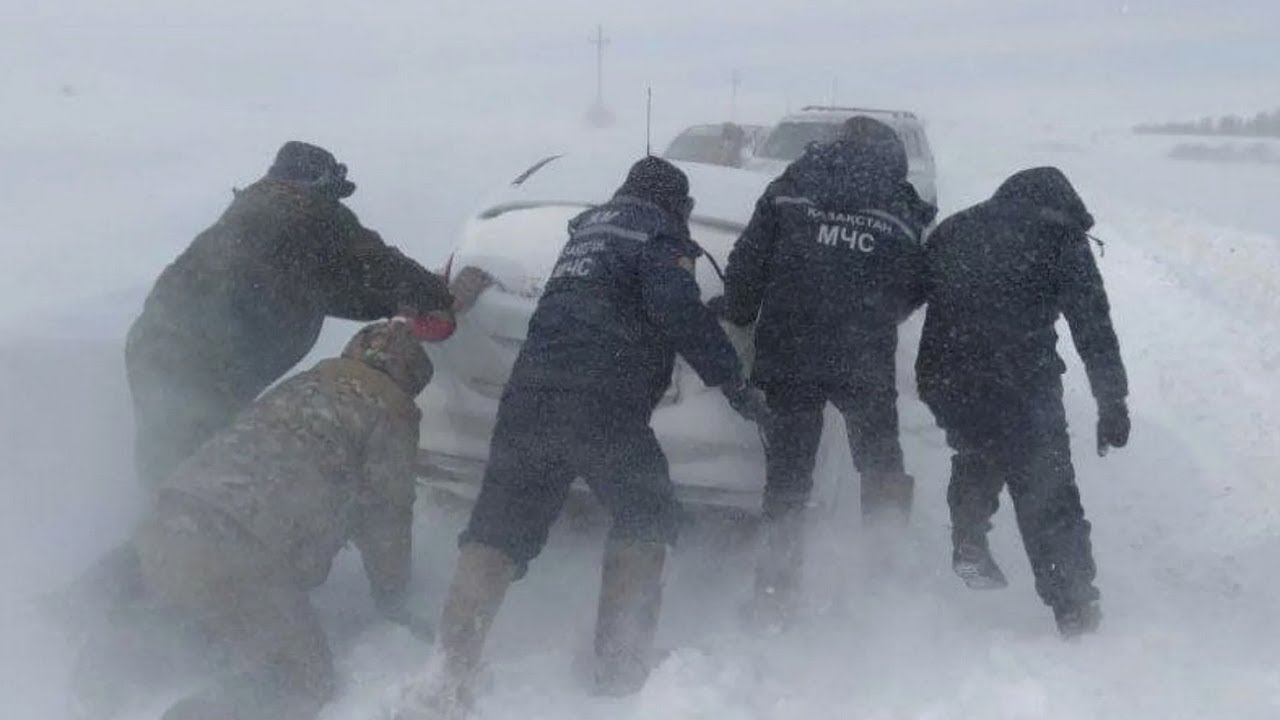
{"x":1186,"y":524}
{"x":1185,"y":519}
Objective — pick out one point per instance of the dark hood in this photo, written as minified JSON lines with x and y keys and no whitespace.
{"x":311,"y":168}
{"x":1048,"y":189}
{"x":867,"y":163}
{"x":661,"y":183}
{"x":879,"y":146}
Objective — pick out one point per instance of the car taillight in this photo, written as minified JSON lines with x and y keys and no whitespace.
{"x":435,"y":326}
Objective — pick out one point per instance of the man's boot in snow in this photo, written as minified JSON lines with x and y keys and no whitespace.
{"x":630,"y":601}
{"x":887,"y":497}
{"x":1078,"y":619}
{"x":779,"y":567}
{"x":972,"y":562}
{"x":479,"y":585}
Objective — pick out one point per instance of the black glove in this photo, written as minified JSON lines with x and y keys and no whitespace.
{"x":748,"y":401}
{"x":1113,"y":425}
{"x":396,"y":610}
{"x":719,"y":307}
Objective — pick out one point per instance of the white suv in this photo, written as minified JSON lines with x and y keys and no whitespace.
{"x":789,"y":138}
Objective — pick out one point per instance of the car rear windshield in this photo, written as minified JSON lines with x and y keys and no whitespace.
{"x":695,"y":146}
{"x":788,"y":140}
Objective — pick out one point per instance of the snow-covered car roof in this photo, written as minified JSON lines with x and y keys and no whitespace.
{"x":724,"y":196}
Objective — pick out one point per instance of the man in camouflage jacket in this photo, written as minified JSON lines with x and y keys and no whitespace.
{"x":252,"y":521}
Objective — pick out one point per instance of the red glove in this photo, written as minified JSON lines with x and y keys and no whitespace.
{"x":435,"y":326}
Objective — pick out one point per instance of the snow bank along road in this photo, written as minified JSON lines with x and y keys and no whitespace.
{"x":1186,"y":526}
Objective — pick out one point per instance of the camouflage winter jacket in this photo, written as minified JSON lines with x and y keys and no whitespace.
{"x":246,"y":300}
{"x":323,"y":458}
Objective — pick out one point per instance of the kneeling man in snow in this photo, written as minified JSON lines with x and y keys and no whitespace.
{"x":250,"y":523}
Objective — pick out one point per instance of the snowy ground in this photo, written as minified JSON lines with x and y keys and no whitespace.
{"x":1186,"y":519}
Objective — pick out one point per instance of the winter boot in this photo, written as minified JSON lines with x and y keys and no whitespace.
{"x":479,"y":585}
{"x":972,"y":562}
{"x":1078,"y":619}
{"x":887,"y":497}
{"x":630,"y":599}
{"x":779,"y":567}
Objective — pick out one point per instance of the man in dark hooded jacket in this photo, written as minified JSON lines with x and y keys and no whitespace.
{"x":621,"y":303}
{"x":1001,"y":273}
{"x":828,"y":267}
{"x":245,"y":302}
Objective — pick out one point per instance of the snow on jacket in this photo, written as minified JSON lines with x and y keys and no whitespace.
{"x":246,"y":300}
{"x":621,"y":302}
{"x":829,"y":265}
{"x":1001,"y":274}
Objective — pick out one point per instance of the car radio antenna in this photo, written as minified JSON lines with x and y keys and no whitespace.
{"x":648,"y":122}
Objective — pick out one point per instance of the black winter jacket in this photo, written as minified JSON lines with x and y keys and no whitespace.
{"x":830,"y":263}
{"x":621,"y":302}
{"x":246,"y":300}
{"x":1001,"y":273}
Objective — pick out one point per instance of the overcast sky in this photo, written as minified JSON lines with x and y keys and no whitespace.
{"x":124,"y":124}
{"x":1100,"y":58}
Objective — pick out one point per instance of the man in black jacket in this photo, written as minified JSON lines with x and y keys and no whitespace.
{"x":246,"y":300}
{"x":620,"y":304}
{"x":1001,"y":273}
{"x":828,"y":267}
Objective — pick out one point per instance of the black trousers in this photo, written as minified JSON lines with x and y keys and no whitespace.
{"x":545,"y":439}
{"x":1002,"y":438}
{"x":870,"y":410}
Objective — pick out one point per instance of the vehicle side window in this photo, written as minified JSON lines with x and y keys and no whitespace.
{"x":789,"y":140}
{"x":699,"y":144}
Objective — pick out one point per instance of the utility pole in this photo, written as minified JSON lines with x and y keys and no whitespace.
{"x":735,"y":80}
{"x":598,"y":115}
{"x":648,"y":122}
{"x":600,"y":43}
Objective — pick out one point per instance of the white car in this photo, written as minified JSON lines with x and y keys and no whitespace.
{"x":716,"y":458}
{"x":715,"y":144}
{"x":789,"y":138}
